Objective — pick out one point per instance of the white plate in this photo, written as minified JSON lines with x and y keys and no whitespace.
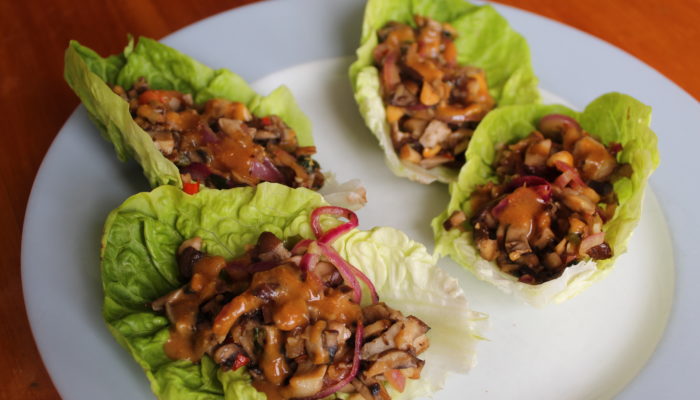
{"x":590,"y":347}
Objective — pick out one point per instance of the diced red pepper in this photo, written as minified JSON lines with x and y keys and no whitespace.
{"x":396,"y":379}
{"x":266,"y":121}
{"x":240,"y":361}
{"x":190,"y":187}
{"x":158,"y":96}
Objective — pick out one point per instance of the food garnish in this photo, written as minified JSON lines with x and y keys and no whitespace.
{"x":293,"y":318}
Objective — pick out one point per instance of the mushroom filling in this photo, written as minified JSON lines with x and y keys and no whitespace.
{"x":547,"y":212}
{"x":292,"y":319}
{"x":432,"y":103}
{"x":221,"y":143}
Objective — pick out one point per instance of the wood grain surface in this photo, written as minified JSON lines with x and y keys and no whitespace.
{"x":35,"y":102}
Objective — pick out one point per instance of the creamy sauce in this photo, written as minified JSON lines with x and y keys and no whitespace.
{"x":295,"y":301}
{"x":235,"y":153}
{"x":523,"y":206}
{"x":186,"y":342}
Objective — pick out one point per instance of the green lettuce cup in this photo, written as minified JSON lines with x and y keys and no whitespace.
{"x":485,"y":41}
{"x":138,"y":265}
{"x":612,"y":117}
{"x":92,"y":76}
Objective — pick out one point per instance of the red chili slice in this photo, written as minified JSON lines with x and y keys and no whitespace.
{"x":190,"y":187}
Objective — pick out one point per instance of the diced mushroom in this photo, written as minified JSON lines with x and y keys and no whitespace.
{"x":379,"y":311}
{"x":402,"y":97}
{"x":187,"y":258}
{"x":456,"y":220}
{"x":295,"y":344}
{"x":230,"y":126}
{"x":516,"y":241}
{"x":160,"y":303}
{"x":195,"y":242}
{"x":331,"y":343}
{"x":224,"y":355}
{"x":408,"y":153}
{"x":577,"y":201}
{"x":552,"y":260}
{"x":318,"y":353}
{"x":305,"y":382}
{"x":248,"y":335}
{"x":537,"y":153}
{"x":376,"y":328}
{"x":434,"y":133}
{"x":343,"y":332}
{"x":415,"y":126}
{"x":384,"y":342}
{"x":433,"y":162}
{"x":271,"y":248}
{"x":595,"y":161}
{"x":392,"y":359}
{"x":150,"y":113}
{"x":398,"y":137}
{"x":272,"y":362}
{"x":413,"y":328}
{"x":164,"y":142}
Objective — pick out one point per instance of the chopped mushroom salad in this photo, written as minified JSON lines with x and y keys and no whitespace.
{"x":221,"y":144}
{"x":553,"y":194}
{"x":293,"y":318}
{"x":432,"y":103}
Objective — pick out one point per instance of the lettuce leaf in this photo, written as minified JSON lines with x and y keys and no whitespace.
{"x":90,"y":76}
{"x":612,"y":117}
{"x":138,"y":265}
{"x":485,"y":40}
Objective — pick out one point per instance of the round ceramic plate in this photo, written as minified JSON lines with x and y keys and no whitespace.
{"x":592,"y":346}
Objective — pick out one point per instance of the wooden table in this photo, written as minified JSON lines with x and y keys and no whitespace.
{"x":35,"y":102}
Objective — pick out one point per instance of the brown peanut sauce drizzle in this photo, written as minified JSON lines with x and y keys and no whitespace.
{"x":298,"y":331}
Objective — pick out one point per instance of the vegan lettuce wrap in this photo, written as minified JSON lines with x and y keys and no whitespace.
{"x":235,"y":293}
{"x":427,"y":72}
{"x":187,"y":124}
{"x":549,"y":196}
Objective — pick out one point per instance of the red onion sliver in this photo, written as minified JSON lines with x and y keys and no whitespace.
{"x":590,"y":242}
{"x":575,"y":178}
{"x":498,"y":208}
{"x":301,"y":247}
{"x":540,"y":185}
{"x":331,"y":210}
{"x":198,"y":171}
{"x":308,"y":262}
{"x":208,"y":135}
{"x":367,"y":281}
{"x":359,"y":336}
{"x":563,"y":179}
{"x":266,"y":171}
{"x":334,"y":233}
{"x":527,"y":181}
{"x":553,"y":123}
{"x":345,"y":270}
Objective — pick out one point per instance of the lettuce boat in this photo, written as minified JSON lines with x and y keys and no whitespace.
{"x":138,"y":265}
{"x":612,"y":118}
{"x":485,"y":41}
{"x":166,"y":70}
